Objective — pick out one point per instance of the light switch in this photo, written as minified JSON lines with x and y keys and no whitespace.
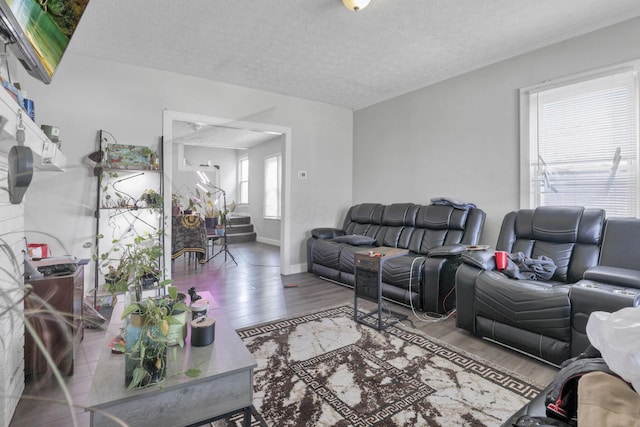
{"x":302,"y":174}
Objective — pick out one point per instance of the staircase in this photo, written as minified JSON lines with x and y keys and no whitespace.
{"x":240,"y":229}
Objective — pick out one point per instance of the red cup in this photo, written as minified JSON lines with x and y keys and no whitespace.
{"x":501,"y":260}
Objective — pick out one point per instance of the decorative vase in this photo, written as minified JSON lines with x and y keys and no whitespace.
{"x":148,"y":370}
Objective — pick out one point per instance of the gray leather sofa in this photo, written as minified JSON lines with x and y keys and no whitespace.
{"x":597,"y":269}
{"x":435,"y":233}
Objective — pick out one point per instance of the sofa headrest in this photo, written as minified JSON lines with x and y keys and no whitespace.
{"x":439,"y":217}
{"x":366,"y":213}
{"x":398,"y":214}
{"x":620,"y":243}
{"x":591,"y":226}
{"x":557,"y":224}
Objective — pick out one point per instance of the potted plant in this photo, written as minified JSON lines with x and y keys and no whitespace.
{"x":211,"y":214}
{"x":222,"y":222}
{"x":115,"y":279}
{"x":194,"y":204}
{"x":151,"y":198}
{"x":147,"y":338}
{"x":136,"y":268}
{"x":176,"y":204}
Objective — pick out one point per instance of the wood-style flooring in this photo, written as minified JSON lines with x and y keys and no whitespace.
{"x":249,"y":293}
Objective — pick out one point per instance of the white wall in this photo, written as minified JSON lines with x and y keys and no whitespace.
{"x":11,"y":295}
{"x":89,"y":94}
{"x":459,"y":138}
{"x":184,"y":182}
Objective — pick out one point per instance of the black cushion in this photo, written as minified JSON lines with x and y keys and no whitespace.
{"x":326,"y":233}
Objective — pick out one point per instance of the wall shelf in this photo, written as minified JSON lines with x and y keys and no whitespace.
{"x":46,"y":155}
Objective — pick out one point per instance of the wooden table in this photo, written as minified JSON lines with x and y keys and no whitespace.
{"x":224,"y":386}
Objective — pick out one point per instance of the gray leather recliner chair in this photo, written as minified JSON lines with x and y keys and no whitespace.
{"x":529,"y":315}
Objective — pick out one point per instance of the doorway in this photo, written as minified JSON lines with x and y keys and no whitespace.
{"x":184,"y":132}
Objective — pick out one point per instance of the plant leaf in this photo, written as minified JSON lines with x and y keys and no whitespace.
{"x":173,"y":321}
{"x":164,"y":327}
{"x":129,"y":309}
{"x":193,"y":372}
{"x":138,"y":375}
{"x":180,"y":306}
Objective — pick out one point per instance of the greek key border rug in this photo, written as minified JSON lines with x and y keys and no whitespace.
{"x":324,"y":369}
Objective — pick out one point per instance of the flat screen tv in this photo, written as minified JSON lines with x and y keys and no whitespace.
{"x":39,"y":31}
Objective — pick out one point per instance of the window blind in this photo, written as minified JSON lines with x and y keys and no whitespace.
{"x":583,"y":144}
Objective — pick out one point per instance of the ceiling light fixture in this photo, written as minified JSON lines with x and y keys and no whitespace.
{"x":356,"y":5}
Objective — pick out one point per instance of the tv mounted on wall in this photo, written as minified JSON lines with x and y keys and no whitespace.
{"x":39,"y":31}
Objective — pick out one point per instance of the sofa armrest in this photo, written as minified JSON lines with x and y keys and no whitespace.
{"x":484,"y":260}
{"x":447,"y":251}
{"x":466,"y":277}
{"x":587,"y":296}
{"x":614,"y":276}
{"x":326,"y":233}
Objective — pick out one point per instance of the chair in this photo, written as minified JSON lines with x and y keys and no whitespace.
{"x":528,"y":315}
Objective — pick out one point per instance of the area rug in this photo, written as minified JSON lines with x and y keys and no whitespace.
{"x":324,"y":369}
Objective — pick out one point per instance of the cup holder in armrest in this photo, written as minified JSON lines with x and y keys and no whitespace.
{"x":624,"y":292}
{"x":588,"y":285}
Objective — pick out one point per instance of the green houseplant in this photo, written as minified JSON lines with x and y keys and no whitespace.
{"x":136,"y":268}
{"x":152,"y":199}
{"x":147,"y":338}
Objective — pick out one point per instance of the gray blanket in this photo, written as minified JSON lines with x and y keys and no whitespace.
{"x":523,"y":267}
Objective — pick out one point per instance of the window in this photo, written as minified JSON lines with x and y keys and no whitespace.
{"x":579,"y":143}
{"x":272,"y":186}
{"x":243,"y":181}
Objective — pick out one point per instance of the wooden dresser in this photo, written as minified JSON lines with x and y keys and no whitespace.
{"x":62,"y":331}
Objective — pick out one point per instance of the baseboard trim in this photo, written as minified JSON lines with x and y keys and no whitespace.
{"x":272,"y":242}
{"x":295,"y":269}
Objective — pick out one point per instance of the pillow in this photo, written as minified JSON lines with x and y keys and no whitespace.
{"x":355,"y":240}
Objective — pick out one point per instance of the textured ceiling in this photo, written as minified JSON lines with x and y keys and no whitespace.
{"x":319,"y":50}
